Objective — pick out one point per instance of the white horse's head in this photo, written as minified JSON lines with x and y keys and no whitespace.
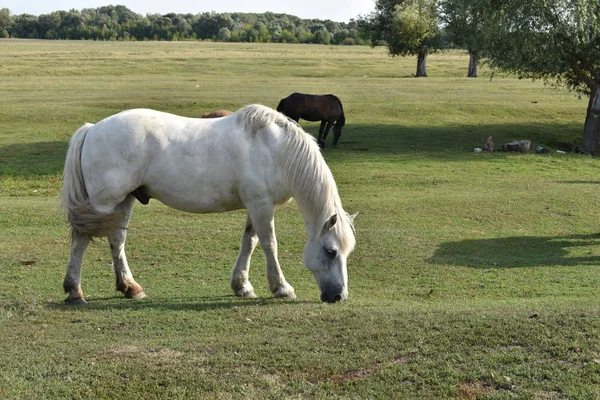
{"x":325,"y":256}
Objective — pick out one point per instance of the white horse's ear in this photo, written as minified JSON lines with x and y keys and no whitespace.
{"x":330,"y":223}
{"x":353,"y":216}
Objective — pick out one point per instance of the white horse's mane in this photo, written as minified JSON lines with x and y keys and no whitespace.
{"x":308,"y":176}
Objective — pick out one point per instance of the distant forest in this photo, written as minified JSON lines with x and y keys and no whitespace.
{"x":120,"y":23}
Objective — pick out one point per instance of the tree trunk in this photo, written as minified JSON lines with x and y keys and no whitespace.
{"x":591,"y":129}
{"x":473,"y":60}
{"x":422,"y":65}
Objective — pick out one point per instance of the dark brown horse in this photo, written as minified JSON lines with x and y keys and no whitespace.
{"x":325,"y":108}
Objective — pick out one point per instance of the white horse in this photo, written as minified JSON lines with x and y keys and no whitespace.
{"x":255,"y":159}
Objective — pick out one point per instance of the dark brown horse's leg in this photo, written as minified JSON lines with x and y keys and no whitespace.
{"x":326,"y":132}
{"x":321,"y":129}
{"x":321,"y":138}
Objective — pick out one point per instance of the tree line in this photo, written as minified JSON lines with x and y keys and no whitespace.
{"x":120,"y":23}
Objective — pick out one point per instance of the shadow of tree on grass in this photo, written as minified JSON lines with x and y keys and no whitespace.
{"x":26,"y":160}
{"x":362,"y":141}
{"x":452,"y":142}
{"x":519,"y":252}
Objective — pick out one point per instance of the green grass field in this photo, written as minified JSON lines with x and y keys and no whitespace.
{"x":475,"y":276}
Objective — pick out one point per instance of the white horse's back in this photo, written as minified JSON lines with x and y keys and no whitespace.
{"x":194,"y":165}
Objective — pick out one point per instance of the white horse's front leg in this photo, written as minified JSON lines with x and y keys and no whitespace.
{"x":262,"y":219}
{"x":240,"y":281}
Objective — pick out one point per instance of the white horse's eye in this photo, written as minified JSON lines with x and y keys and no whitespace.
{"x":331,"y":252}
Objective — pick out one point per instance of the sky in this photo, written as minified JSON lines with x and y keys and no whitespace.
{"x":335,"y":10}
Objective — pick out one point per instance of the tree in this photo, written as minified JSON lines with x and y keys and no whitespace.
{"x":224,"y":34}
{"x":463,"y":23}
{"x":322,"y":36}
{"x":49,"y":25}
{"x":263,"y":35}
{"x":208,"y":25}
{"x":252,"y":35}
{"x":5,"y":23}
{"x":341,"y":35}
{"x":557,"y":41}
{"x":304,"y":35}
{"x":288,"y":37}
{"x":409,"y":27}
{"x":26,"y":26}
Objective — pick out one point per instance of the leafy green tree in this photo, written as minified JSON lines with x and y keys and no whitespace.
{"x":224,"y":34}
{"x":288,"y":37}
{"x":341,"y":35}
{"x":275,"y":30}
{"x":207,"y":26}
{"x":71,"y":24}
{"x":182,"y":26}
{"x":252,"y":35}
{"x":49,"y":25}
{"x":463,"y":26}
{"x":263,"y":34}
{"x":408,"y":27}
{"x":5,"y":23}
{"x":322,"y":36}
{"x":26,"y":26}
{"x":303,"y":34}
{"x":557,"y":41}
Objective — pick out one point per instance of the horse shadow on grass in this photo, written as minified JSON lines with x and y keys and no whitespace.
{"x":521,"y":252}
{"x":199,"y":304}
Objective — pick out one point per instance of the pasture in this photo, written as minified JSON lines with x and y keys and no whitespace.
{"x":474,"y":275}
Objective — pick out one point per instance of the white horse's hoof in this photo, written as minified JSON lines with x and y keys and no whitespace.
{"x":249,"y":294}
{"x":286,"y":292}
{"x":138,"y":296}
{"x":133,"y":291}
{"x":246,"y":291}
{"x":75,"y":301}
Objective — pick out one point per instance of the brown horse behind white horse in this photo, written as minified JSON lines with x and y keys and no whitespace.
{"x":325,"y":108}
{"x":217,"y":114}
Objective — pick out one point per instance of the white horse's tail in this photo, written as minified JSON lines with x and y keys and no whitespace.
{"x":84,"y":219}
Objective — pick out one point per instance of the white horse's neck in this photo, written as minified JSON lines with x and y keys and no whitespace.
{"x":308,"y":178}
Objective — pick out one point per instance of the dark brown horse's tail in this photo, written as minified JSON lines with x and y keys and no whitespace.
{"x":339,"y":124}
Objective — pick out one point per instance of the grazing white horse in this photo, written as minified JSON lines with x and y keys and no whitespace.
{"x":255,"y":159}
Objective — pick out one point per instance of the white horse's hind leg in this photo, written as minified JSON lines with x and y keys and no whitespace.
{"x":72,"y":282}
{"x":125,"y":281}
{"x":262,"y":219}
{"x":240,"y":282}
